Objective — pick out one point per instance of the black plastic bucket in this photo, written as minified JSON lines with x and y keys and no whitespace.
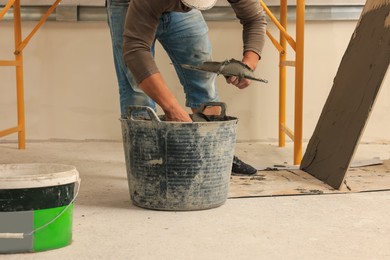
{"x":175,"y":165}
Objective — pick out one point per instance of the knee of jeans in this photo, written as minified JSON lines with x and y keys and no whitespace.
{"x":135,"y":99}
{"x":139,"y":115}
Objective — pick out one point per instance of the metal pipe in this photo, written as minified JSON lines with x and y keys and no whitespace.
{"x":9,"y":131}
{"x":9,"y":63}
{"x":6,"y":8}
{"x":289,"y":39}
{"x":19,"y":76}
{"x":219,"y":13}
{"x":274,"y":42}
{"x":282,"y":75}
{"x":287,"y":131}
{"x":44,"y":18}
{"x":298,"y":119}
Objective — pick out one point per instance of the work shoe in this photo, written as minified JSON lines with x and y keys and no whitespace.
{"x":241,"y":168}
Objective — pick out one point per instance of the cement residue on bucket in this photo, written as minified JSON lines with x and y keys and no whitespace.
{"x":195,"y":167}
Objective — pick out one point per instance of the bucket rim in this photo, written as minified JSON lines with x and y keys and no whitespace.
{"x":231,"y":119}
{"x":36,"y":175}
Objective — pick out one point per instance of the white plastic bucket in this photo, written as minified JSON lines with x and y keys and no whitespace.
{"x":36,"y":206}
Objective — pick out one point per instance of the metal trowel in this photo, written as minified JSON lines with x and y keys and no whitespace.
{"x":227,"y":68}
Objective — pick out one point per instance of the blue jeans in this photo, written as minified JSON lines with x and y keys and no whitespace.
{"x":184,"y":36}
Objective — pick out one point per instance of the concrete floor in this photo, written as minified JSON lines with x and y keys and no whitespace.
{"x":107,"y":226}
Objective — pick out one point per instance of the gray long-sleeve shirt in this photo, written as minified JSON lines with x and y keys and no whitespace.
{"x":143,"y":17}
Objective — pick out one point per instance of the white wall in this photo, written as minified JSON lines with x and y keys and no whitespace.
{"x":71,"y":91}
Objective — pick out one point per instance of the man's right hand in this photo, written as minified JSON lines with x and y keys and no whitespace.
{"x":155,"y":87}
{"x":177,"y":114}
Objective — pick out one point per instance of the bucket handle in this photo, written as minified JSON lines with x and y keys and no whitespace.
{"x":23,"y":235}
{"x":149,"y":110}
{"x":199,"y":116}
{"x":202,"y":107}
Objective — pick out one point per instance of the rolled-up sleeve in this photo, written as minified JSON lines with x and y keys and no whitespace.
{"x":252,"y":17}
{"x":140,"y":29}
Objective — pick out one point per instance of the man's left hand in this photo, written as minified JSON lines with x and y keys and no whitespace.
{"x":239,"y":83}
{"x":250,"y":59}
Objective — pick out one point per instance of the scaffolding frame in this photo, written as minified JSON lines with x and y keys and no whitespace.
{"x":20,"y":44}
{"x":298,"y":46}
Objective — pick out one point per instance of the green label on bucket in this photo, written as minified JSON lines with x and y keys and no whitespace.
{"x":55,"y":235}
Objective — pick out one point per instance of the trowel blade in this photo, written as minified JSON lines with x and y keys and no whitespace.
{"x":246,"y":77}
{"x":192,"y":67}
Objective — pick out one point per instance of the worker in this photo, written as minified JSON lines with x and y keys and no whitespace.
{"x":182,"y":31}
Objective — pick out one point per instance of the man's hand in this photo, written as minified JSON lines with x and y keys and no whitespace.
{"x":243,"y":83}
{"x":250,"y":59}
{"x":177,"y":114}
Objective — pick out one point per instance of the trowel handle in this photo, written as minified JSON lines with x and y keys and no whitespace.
{"x":202,"y":107}
{"x":146,"y":109}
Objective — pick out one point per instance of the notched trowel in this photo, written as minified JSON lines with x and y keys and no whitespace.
{"x":227,"y":68}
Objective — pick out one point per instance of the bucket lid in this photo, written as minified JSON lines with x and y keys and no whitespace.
{"x":35,"y":175}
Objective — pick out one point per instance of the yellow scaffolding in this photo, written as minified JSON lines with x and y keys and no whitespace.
{"x":298,"y":46}
{"x":20,"y":44}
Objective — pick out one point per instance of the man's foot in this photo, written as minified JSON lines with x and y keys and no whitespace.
{"x":241,"y":168}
